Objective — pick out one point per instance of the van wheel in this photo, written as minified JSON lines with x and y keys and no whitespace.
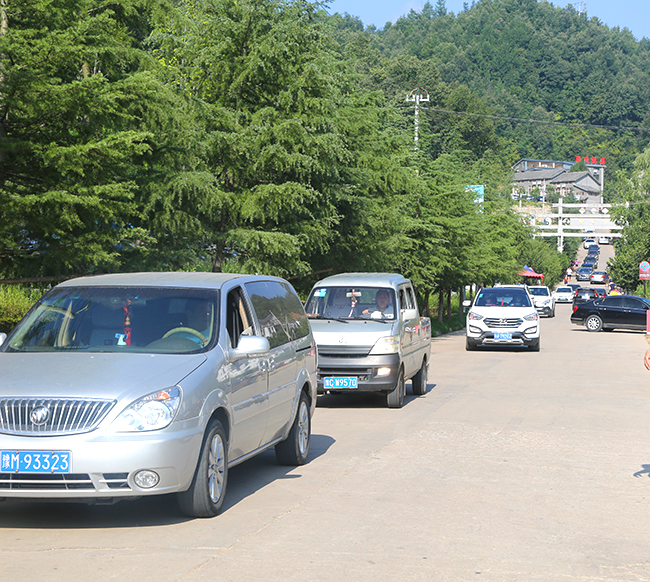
{"x":419,"y":381}
{"x":395,"y":398}
{"x":295,"y":448}
{"x":205,"y":496}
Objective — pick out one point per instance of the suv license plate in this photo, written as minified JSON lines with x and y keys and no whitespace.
{"x":35,"y":461}
{"x":503,"y":336}
{"x":340,"y":383}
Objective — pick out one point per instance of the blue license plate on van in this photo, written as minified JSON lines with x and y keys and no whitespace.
{"x":341,"y":383}
{"x":503,"y":336}
{"x":35,"y":462}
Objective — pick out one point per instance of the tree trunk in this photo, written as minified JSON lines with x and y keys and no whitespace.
{"x":441,"y":304}
{"x":449,"y":303}
{"x":425,"y":307}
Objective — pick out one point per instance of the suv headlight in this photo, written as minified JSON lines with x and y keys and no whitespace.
{"x":531,"y":317}
{"x":386,"y":345}
{"x":151,"y":412}
{"x":474,"y":315}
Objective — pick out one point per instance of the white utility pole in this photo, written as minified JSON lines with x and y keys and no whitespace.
{"x":418,"y":95}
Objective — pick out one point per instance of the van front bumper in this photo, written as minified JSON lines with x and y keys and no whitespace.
{"x":372,"y":373}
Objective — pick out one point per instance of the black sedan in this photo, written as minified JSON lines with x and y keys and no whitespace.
{"x":612,"y":312}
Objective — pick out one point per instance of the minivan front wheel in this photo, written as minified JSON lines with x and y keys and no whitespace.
{"x":205,"y":496}
{"x":295,"y":448}
{"x":395,"y":399}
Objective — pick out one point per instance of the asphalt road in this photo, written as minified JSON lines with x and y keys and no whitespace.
{"x":514,"y":466}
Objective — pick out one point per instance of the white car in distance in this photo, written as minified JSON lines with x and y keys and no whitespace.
{"x":563,"y":294}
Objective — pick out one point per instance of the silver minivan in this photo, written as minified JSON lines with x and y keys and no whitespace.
{"x":119,"y":386}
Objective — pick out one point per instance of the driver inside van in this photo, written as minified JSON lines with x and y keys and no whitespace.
{"x":384,"y":308}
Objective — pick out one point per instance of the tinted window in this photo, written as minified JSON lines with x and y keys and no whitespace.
{"x":279,"y":311}
{"x":539,"y":291}
{"x":502,"y":298}
{"x":634,"y":303}
{"x":613,"y":301}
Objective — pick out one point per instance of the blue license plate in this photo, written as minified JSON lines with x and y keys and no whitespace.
{"x":35,"y":461}
{"x":340,"y":383}
{"x":503,"y":336}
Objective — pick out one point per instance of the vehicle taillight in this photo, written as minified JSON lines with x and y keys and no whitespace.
{"x":575,"y":308}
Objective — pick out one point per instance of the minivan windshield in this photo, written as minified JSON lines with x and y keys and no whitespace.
{"x":352,"y":303}
{"x":119,"y":319}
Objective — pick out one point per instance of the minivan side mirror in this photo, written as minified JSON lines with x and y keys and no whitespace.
{"x":250,"y":346}
{"x":3,"y":337}
{"x":409,"y":313}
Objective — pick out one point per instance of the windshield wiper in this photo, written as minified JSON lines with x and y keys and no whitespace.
{"x":331,"y":318}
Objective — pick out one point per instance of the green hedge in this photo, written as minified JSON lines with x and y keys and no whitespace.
{"x":15,"y":301}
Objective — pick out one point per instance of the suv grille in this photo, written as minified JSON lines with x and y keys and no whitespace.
{"x":51,"y":416}
{"x":497,"y":322}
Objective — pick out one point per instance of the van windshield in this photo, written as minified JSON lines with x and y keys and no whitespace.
{"x":119,"y":319}
{"x":352,"y":303}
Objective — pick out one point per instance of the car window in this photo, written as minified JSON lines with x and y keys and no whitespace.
{"x":238,"y":318}
{"x":564,"y":290}
{"x":539,"y":291}
{"x":613,"y":301}
{"x":634,"y":303}
{"x":119,"y":319}
{"x":279,"y":312}
{"x":499,"y":297}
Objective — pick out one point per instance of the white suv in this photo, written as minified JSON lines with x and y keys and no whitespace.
{"x":503,"y":316}
{"x":542,"y":299}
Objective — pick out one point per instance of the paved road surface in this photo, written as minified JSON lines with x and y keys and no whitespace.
{"x":514,"y":466}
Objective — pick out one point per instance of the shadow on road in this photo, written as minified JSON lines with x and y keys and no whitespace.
{"x":243,"y":480}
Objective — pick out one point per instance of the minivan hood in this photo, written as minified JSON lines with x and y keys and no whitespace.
{"x":91,"y":375}
{"x":366,"y":332}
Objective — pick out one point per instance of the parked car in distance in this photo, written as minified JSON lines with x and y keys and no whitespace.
{"x":584,"y":294}
{"x":370,"y":335}
{"x":594,"y":250}
{"x":612,"y":312}
{"x":604,"y":240}
{"x":599,"y":278}
{"x":542,"y":299}
{"x":588,"y":242}
{"x":583,"y":273}
{"x":563,"y":294}
{"x":503,"y":316}
{"x":591,"y":262}
{"x":601,"y":291}
{"x":126,"y":385}
{"x":574,"y":286}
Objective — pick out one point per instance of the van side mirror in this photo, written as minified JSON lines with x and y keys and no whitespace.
{"x":3,"y":337}
{"x":250,"y":346}
{"x":409,"y":313}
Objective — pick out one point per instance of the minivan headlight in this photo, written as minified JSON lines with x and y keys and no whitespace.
{"x":386,"y":345}
{"x":151,"y":412}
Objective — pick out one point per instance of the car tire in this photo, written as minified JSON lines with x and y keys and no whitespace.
{"x":395,"y":398}
{"x":536,"y":346}
{"x":205,"y":495}
{"x":469,"y":346}
{"x":419,"y":381}
{"x":294,"y":449}
{"x":594,"y":323}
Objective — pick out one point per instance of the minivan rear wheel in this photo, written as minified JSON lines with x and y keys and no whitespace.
{"x":295,"y":448}
{"x":419,"y":381}
{"x":205,"y":496}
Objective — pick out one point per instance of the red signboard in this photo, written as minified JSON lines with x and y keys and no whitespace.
{"x":644,"y":271}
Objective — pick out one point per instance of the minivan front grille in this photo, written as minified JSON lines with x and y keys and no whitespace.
{"x":51,"y":416}
{"x":496,"y":322}
{"x":47,"y":482}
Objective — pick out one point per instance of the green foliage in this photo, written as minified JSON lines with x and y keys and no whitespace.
{"x":15,"y":301}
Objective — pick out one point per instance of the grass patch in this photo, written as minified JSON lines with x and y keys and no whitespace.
{"x":448,"y":324}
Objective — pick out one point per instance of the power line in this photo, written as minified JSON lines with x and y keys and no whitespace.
{"x":539,"y":121}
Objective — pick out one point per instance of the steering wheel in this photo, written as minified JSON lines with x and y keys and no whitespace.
{"x":189,"y":330}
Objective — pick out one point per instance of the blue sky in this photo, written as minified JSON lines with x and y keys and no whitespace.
{"x":631,"y":14}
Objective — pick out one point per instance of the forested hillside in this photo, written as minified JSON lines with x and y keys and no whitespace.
{"x":267,"y":136}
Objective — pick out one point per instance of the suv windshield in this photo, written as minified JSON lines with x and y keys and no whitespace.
{"x":119,"y":319}
{"x":502,"y":298}
{"x":352,"y":303}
